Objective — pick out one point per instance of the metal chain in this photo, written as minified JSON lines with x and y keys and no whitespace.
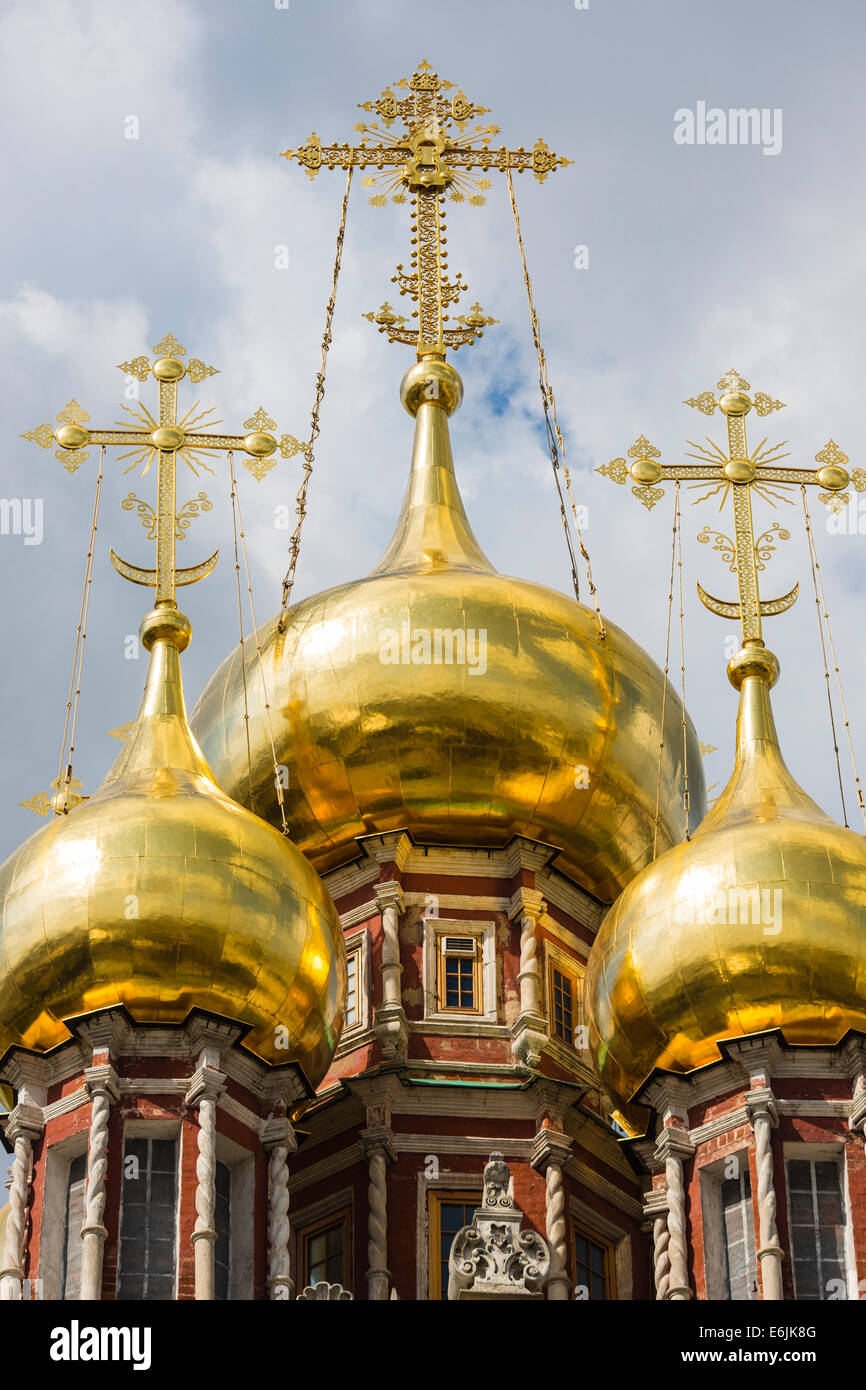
{"x":818,"y":582}
{"x":236,"y":505}
{"x":555,"y":440}
{"x":234,"y":498}
{"x":301,"y":499}
{"x":686,"y":798}
{"x":665,"y":686}
{"x":64,"y":780}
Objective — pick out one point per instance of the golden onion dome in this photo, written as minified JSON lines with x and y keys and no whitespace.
{"x":162,"y":894}
{"x":441,"y":697}
{"x":757,"y":923}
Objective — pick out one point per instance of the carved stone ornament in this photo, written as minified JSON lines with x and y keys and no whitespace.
{"x":493,"y":1258}
{"x":323,"y":1290}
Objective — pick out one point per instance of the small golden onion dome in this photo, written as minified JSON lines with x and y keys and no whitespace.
{"x":757,"y":923}
{"x":162,"y":894}
{"x":442,"y":698}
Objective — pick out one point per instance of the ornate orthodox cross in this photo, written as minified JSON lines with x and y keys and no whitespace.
{"x":739,"y":472}
{"x":434,"y":155}
{"x":165,"y":438}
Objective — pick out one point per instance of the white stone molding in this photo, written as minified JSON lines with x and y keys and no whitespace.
{"x":493,"y":1258}
{"x":550,"y":1151}
{"x":101,"y":1085}
{"x":390,"y":1022}
{"x":278,"y":1139}
{"x":763,"y":1117}
{"x":205,"y":1088}
{"x":672,"y":1147}
{"x":23,"y":1126}
{"x":318,"y":1292}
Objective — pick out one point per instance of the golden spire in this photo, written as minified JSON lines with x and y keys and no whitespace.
{"x":436,"y":153}
{"x":738,"y":472}
{"x":433,"y":530}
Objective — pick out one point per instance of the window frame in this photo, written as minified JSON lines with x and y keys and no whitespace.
{"x":823,"y":1153}
{"x":602,"y":1242}
{"x":574,"y":971}
{"x":353,"y":1034}
{"x":442,"y":956}
{"x":716,"y":1253}
{"x":485,"y":938}
{"x":436,"y":1198}
{"x":554,"y":968}
{"x":64,"y":1271}
{"x":343,"y":1218}
{"x":160,"y":1131}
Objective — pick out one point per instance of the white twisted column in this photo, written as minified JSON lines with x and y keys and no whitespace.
{"x":23,"y":1126}
{"x":529,"y":1032}
{"x":279,"y":1141}
{"x":550,"y":1151}
{"x":763,"y":1116}
{"x":672,"y":1147}
{"x":206,"y":1087}
{"x":379,"y":1147}
{"x":655,"y":1205}
{"x":391,"y":1026}
{"x":103,"y":1088}
{"x":661,"y":1257}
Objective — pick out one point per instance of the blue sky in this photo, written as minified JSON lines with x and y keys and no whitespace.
{"x":700,"y":258}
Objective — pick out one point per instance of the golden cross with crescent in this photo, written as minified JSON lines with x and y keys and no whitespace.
{"x":436,"y":153}
{"x":192,"y":439}
{"x":739,"y":472}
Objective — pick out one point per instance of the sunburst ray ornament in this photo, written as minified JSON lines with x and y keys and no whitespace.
{"x":165,"y":439}
{"x":735,"y":475}
{"x":440,"y":152}
{"x":193,"y":438}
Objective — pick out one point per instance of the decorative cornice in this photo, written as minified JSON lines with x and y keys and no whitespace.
{"x":389,"y":894}
{"x":761,"y":1104}
{"x":528,"y":902}
{"x":102,"y":1080}
{"x":550,"y":1147}
{"x":205,"y":1084}
{"x":673,"y":1143}
{"x":23,"y":1120}
{"x":278,"y":1130}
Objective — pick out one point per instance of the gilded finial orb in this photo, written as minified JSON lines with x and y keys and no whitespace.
{"x":431,"y":380}
{"x":168,"y":369}
{"x":165,"y":622}
{"x":259,"y":444}
{"x":735,"y":403}
{"x":753,"y":659}
{"x":71,"y":436}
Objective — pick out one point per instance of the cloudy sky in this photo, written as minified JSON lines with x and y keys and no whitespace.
{"x":701,"y":257}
